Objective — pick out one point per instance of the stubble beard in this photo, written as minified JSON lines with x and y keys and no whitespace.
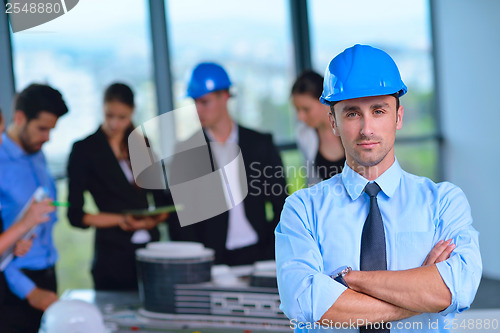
{"x":25,"y":141}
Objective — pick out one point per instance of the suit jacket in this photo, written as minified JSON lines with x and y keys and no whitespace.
{"x":93,"y":167}
{"x":255,"y":147}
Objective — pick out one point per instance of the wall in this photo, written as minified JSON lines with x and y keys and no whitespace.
{"x":467,"y":43}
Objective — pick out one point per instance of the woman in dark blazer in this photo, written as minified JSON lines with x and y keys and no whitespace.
{"x":322,"y":149}
{"x":100,"y":164}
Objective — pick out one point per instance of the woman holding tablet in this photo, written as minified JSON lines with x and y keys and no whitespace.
{"x":100,"y":164}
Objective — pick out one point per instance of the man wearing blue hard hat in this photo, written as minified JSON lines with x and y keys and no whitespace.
{"x":244,"y":234}
{"x":374,"y":249}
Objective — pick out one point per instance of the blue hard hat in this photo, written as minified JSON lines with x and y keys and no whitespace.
{"x":207,"y":77}
{"x":361,"y":71}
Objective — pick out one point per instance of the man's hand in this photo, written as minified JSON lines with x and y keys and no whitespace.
{"x":37,"y":213}
{"x":41,"y":299}
{"x":419,"y":289}
{"x":440,"y":252}
{"x":23,"y":246}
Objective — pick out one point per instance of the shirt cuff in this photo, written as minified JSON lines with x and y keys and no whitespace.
{"x":324,"y":292}
{"x":18,"y":283}
{"x":446,"y":273}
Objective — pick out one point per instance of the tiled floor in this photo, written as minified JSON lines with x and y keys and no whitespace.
{"x":488,"y":295}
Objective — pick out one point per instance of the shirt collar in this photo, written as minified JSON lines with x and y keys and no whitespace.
{"x":354,"y":183}
{"x":11,"y":147}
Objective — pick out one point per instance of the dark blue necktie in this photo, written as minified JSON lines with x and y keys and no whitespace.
{"x":373,"y":252}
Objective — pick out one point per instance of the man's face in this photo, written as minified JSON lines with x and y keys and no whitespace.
{"x":211,"y":107}
{"x":36,"y":132}
{"x":367,"y":127}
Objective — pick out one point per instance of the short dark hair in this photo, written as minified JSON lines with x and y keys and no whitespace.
{"x":40,"y":97}
{"x":119,"y":92}
{"x":310,"y":83}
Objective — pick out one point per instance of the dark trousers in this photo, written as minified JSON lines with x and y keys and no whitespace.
{"x":104,"y":282}
{"x":242,"y":256}
{"x":16,"y":315}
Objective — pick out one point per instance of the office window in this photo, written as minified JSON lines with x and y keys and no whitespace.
{"x":80,"y":53}
{"x":419,"y":158}
{"x":251,"y":39}
{"x":403,"y":30}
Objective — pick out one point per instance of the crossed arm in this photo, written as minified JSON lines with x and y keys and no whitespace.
{"x":377,"y":296}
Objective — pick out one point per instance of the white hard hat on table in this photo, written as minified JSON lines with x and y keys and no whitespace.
{"x":72,"y":316}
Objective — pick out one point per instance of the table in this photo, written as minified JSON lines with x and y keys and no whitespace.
{"x":121,"y":311}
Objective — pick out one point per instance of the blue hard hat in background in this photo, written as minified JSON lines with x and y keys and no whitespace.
{"x":361,"y":71}
{"x":207,"y":77}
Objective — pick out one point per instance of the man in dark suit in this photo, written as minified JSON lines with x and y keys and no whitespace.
{"x":245,"y":233}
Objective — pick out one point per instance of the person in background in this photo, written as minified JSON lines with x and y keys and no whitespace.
{"x":322,"y":149}
{"x":31,"y":279}
{"x":100,"y":164}
{"x":243,"y":234}
{"x":36,"y":214}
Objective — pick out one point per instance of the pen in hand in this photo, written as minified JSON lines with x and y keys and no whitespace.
{"x":60,"y":204}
